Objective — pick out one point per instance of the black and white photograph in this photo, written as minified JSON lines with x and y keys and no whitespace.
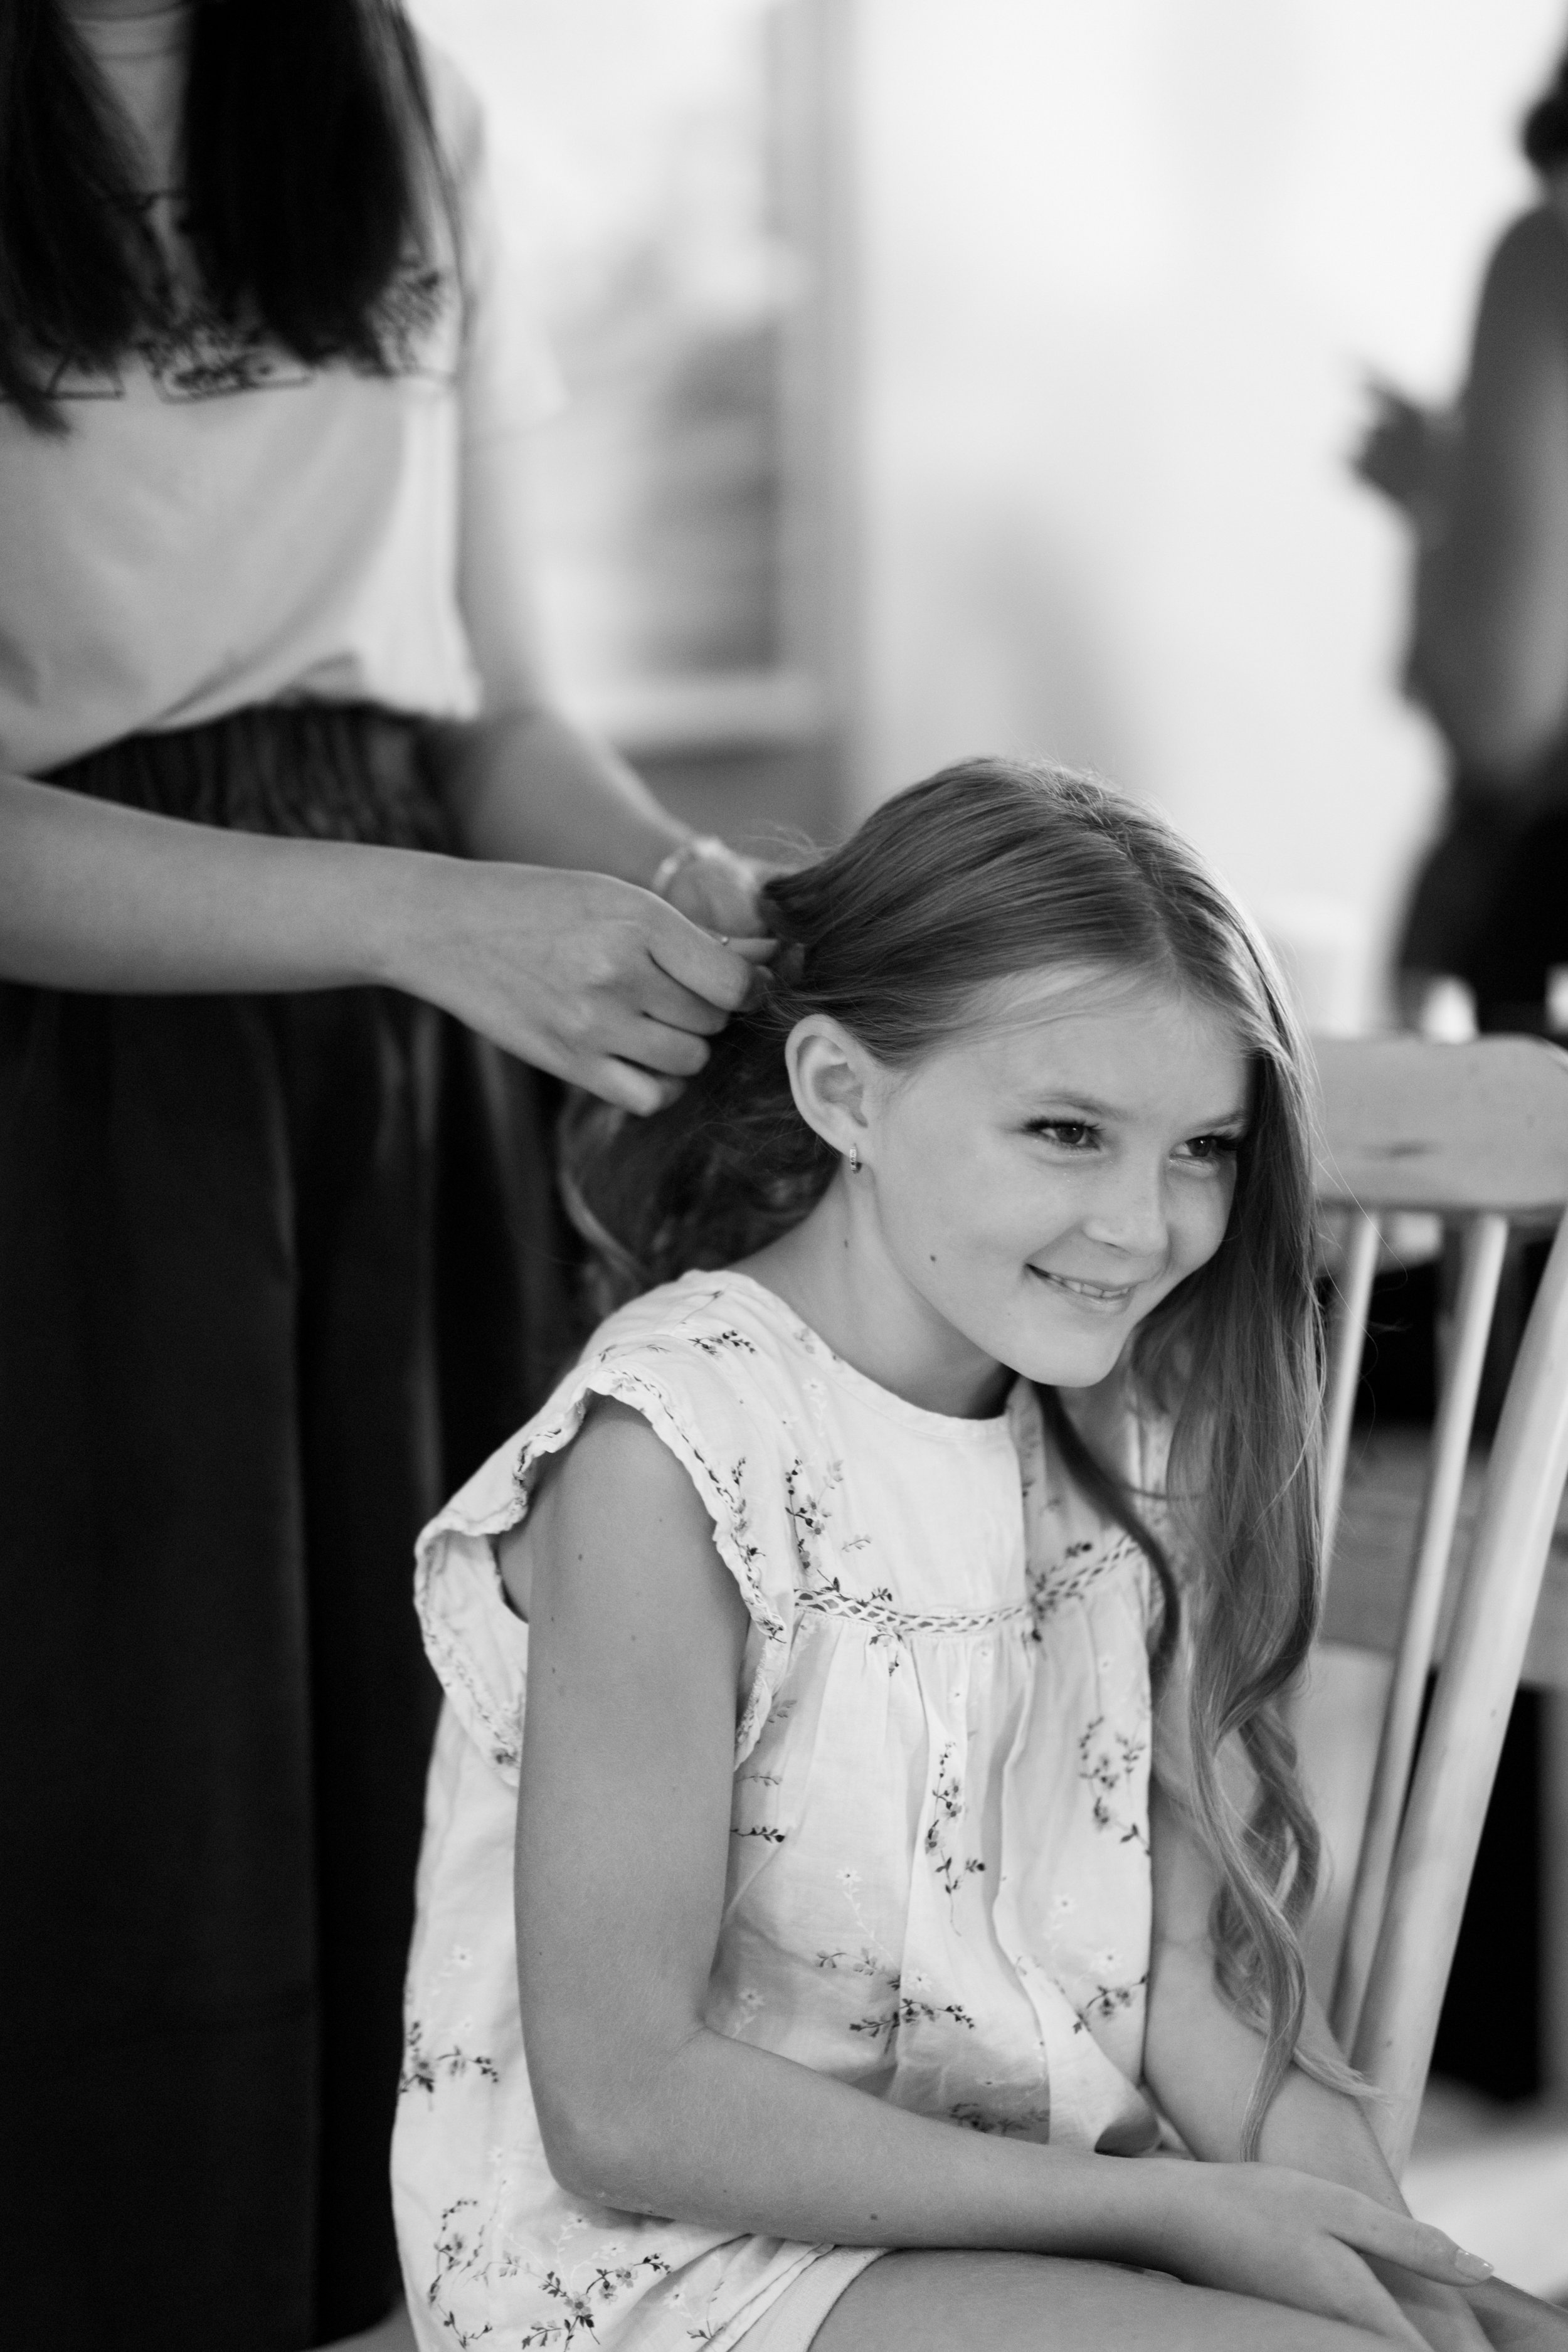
{"x":783,"y":1175}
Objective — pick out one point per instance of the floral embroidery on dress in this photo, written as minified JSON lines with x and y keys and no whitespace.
{"x":905,"y":2010}
{"x":947,"y":1798}
{"x":1027,"y":2123}
{"x":577,"y":2296}
{"x":1112,"y":1760}
{"x":864,"y":1963}
{"x":713,"y":1343}
{"x":423,"y":2067}
{"x":1109,"y":1999}
{"x":1081,"y":1565}
{"x":808,"y":1512}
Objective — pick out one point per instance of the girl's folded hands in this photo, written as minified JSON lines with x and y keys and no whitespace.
{"x":1287,"y":2237}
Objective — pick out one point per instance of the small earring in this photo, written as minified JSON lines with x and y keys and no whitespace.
{"x":854,"y":1160}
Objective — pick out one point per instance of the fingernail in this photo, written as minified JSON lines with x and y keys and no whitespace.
{"x":1474,"y":2266}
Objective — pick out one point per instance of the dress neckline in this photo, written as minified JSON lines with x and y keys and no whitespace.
{"x":960,"y":1429}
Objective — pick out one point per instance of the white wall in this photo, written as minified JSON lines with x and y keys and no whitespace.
{"x":1122,"y":264}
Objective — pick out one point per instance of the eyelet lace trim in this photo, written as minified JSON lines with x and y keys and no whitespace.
{"x":830,"y":1600}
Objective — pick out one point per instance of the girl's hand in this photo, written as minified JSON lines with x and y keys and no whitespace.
{"x":591,"y":978}
{"x":1441,"y":2317}
{"x":1512,"y":2321}
{"x":1287,"y":2237}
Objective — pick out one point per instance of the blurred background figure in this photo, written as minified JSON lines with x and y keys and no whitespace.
{"x":1484,"y":489}
{"x":1481,"y":485}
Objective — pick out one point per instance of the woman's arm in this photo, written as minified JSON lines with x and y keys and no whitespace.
{"x":637,"y":1635}
{"x":523,"y":781}
{"x":1491,"y":655}
{"x":598,"y":982}
{"x":1201,"y":2062}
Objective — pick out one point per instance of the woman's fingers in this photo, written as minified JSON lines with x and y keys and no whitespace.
{"x":663,"y":999}
{"x":655,"y":1046}
{"x":710,"y":968}
{"x":582,"y":976}
{"x":627,"y":1085}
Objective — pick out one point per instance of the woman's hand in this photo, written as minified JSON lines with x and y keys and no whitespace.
{"x":1287,"y":2237}
{"x":1407,"y":452}
{"x":717,"y":887}
{"x":591,"y":978}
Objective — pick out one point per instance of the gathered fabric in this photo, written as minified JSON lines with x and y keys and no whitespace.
{"x":304,"y":769}
{"x":939,"y":1883}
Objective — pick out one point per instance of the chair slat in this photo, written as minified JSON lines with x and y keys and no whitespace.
{"x":1483,"y":1248}
{"x":1454,"y":1776}
{"x":1347,"y":1332}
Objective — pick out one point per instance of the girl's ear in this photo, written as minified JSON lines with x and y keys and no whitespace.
{"x":833,"y":1080}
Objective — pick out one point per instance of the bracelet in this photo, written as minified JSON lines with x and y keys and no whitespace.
{"x":695,"y":845}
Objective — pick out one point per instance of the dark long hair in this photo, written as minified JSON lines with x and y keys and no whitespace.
{"x":991,"y":870}
{"x":311,"y":170}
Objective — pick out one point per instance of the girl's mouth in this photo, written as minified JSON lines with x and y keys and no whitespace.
{"x":1104,"y":1297}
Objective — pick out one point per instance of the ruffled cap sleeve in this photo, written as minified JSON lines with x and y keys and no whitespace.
{"x":701,"y":1387}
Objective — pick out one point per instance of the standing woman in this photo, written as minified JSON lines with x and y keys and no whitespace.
{"x":267,"y":695}
{"x":1485,"y":489}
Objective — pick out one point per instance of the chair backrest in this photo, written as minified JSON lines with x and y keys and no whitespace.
{"x":1478,"y":1135}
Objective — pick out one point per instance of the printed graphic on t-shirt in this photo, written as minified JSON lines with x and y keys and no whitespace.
{"x":195,"y":350}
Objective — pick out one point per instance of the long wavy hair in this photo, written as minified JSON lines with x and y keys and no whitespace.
{"x":310,"y":172}
{"x":990,"y":870}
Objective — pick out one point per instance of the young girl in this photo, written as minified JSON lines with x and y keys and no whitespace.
{"x":891,"y":1585}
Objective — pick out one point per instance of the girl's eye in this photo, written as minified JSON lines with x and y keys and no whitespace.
{"x":1071,"y":1134}
{"x":1210,"y":1150}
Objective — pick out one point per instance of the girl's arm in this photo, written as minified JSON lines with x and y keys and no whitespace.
{"x":635,"y":1645}
{"x":525,"y":782}
{"x":578,"y":973}
{"x":1201,"y":2061}
{"x":1490,"y":655}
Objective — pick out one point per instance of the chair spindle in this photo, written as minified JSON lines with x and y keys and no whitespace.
{"x":1480,"y":1268}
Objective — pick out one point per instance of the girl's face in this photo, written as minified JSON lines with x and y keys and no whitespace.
{"x":1034,"y":1188}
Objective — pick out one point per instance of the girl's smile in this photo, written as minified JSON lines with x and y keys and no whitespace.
{"x":1027,"y":1191}
{"x":1099,"y":1297}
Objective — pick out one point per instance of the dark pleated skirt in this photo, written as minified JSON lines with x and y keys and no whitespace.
{"x":276,"y":1273}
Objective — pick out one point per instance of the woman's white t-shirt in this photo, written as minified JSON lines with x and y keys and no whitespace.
{"x":222,"y":524}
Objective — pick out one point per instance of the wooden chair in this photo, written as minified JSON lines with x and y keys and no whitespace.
{"x":1478,"y":1135}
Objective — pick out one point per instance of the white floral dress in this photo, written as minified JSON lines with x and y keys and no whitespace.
{"x":938,"y":1865}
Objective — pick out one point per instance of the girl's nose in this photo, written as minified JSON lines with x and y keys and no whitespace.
{"x":1128,"y":1213}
